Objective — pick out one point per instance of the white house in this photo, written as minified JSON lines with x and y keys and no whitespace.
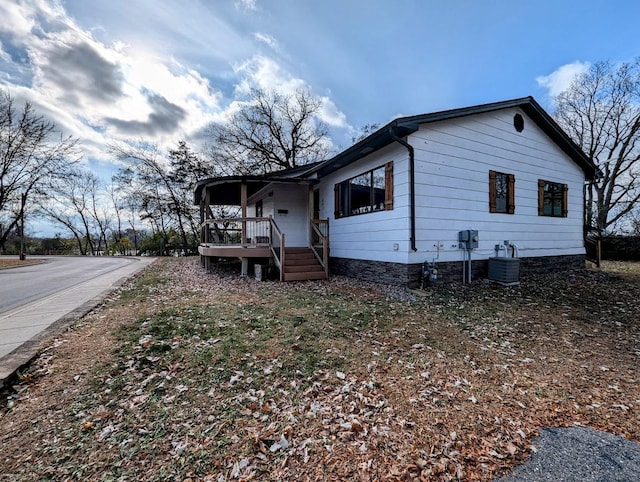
{"x":396,"y":202}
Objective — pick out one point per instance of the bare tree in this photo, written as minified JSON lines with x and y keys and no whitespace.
{"x":271,"y":132}
{"x":186,"y":169}
{"x":601,"y":112}
{"x":118,"y":205}
{"x":33,"y":158}
{"x":75,"y":198}
{"x":364,"y":132}
{"x":101,"y":215}
{"x":163,"y":188}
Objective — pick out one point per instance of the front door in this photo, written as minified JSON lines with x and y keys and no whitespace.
{"x":316,"y":204}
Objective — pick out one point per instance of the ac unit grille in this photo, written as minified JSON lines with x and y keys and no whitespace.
{"x":504,"y":270}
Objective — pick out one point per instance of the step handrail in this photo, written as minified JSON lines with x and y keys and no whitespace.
{"x":323,"y":258}
{"x":278,"y":256}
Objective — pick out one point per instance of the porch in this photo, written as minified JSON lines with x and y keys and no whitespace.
{"x":284,"y":232}
{"x":247,"y":238}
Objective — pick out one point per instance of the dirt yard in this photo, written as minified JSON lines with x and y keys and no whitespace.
{"x":186,"y":376}
{"x":15,"y":262}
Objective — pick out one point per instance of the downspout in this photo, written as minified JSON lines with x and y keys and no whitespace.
{"x":412,"y":188}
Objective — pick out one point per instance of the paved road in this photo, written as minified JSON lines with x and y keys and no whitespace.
{"x":36,"y":300}
{"x":19,"y":286}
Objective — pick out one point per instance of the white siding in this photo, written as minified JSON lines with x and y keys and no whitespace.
{"x":453,"y":159}
{"x":293,"y":198}
{"x":372,"y":235}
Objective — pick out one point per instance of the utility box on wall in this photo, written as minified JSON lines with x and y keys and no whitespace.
{"x":468,"y":239}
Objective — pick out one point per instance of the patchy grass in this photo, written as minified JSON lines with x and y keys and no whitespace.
{"x":184,"y":375}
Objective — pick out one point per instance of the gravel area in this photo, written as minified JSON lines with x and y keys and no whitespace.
{"x":579,"y":454}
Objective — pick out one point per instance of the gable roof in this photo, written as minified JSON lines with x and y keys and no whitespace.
{"x":403,"y":126}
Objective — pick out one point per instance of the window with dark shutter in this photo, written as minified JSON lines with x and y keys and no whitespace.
{"x":388,"y":186}
{"x":365,"y":193}
{"x":552,"y":199}
{"x":501,"y":192}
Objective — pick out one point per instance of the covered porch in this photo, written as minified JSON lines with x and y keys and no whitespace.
{"x":273,"y":224}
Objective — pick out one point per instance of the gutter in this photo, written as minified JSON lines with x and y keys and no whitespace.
{"x":412,"y":187}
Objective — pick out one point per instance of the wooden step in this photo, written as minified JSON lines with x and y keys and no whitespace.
{"x":300,"y":261}
{"x":304,"y":276}
{"x":307,"y":255}
{"x":301,"y":264}
{"x":302,"y":268}
{"x":298,"y":251}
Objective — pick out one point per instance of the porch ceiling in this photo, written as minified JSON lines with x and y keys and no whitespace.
{"x":227,"y":190}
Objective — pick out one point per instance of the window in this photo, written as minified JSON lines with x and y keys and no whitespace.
{"x":259,"y":209}
{"x":552,"y":199}
{"x":501,"y":192}
{"x":368,"y":192}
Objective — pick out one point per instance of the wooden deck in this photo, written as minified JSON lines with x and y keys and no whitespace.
{"x":235,"y":251}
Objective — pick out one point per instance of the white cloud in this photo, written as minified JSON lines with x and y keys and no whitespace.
{"x":4,"y":55}
{"x":246,"y":5}
{"x":560,"y":79}
{"x":17,"y":19}
{"x":331,"y":115}
{"x":102,"y":89}
{"x":266,"y":74}
{"x":99,"y":92}
{"x":268,"y":40}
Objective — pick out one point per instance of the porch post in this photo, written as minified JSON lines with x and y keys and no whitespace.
{"x":243,"y":206}
{"x":204,"y":216}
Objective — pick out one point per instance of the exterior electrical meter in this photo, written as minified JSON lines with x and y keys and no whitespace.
{"x":468,"y":239}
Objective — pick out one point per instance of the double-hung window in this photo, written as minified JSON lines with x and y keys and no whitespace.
{"x":552,"y":199}
{"x":501,"y":192}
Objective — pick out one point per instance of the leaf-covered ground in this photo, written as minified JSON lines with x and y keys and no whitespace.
{"x":182,"y":375}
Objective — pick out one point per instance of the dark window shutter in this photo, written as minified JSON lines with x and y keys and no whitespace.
{"x":492,"y":191}
{"x":388,"y":186}
{"x":336,"y":201}
{"x":511,"y":206}
{"x":565,"y":200}
{"x":540,"y":197}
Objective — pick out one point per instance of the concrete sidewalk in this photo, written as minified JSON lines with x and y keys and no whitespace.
{"x":25,"y":327}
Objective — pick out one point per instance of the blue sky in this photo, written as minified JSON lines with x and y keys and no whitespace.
{"x":162,"y":70}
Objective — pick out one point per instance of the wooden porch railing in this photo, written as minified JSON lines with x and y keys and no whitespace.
{"x":319,"y":242}
{"x":264,"y":232}
{"x":277,"y":246}
{"x":593,"y":250}
{"x":243,"y":232}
